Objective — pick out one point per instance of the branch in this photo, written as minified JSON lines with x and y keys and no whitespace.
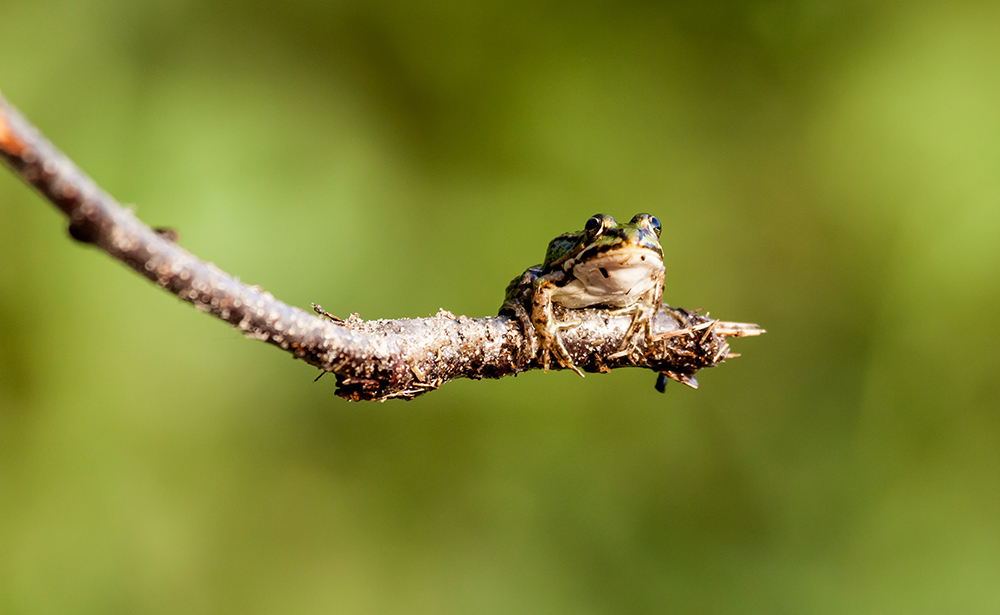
{"x":372,"y":360}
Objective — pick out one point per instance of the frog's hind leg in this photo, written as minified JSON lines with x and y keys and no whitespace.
{"x":644,"y":313}
{"x":531,"y":338}
{"x":643,"y":316}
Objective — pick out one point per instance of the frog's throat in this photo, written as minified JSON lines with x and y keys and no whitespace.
{"x":617,"y":278}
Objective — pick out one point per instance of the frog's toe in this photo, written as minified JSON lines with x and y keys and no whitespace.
{"x":562,"y":355}
{"x":544,"y":359}
{"x":554,"y":348}
{"x":629,"y":343}
{"x":576,"y":369}
{"x":569,"y":324}
{"x":568,"y":364}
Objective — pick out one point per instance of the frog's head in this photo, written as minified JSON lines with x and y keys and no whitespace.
{"x":609,"y":263}
{"x":602,"y":234}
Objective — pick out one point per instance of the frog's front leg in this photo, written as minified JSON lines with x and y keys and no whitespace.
{"x":643,"y":314}
{"x":545,"y":325}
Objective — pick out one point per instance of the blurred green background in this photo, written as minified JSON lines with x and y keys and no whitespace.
{"x":828,"y":170}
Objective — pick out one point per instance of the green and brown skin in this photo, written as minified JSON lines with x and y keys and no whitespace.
{"x":606,"y":264}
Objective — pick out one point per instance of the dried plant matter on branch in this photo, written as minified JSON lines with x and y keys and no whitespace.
{"x":372,"y":360}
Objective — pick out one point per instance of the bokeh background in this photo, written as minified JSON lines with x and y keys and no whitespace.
{"x":830,"y":170}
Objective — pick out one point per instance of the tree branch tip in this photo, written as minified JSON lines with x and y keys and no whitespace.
{"x":738,"y":329}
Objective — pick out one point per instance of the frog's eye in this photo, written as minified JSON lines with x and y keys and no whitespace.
{"x":649,"y":221}
{"x":655,"y":223}
{"x":595,"y":225}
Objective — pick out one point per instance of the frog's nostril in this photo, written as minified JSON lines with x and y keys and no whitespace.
{"x":604,"y":272}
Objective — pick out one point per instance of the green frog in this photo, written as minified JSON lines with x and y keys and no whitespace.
{"x":606,"y":264}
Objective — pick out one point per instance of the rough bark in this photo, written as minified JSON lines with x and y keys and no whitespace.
{"x":372,"y":360}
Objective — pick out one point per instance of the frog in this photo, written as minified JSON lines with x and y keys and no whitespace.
{"x":607,"y":264}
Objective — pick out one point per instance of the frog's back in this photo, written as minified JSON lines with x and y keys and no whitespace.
{"x":559,"y":248}
{"x":519,"y":289}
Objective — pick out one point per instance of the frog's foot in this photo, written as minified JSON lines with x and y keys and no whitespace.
{"x":552,"y":345}
{"x":642,"y":321}
{"x":642,"y":317}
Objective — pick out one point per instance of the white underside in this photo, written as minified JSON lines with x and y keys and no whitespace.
{"x":630,"y":275}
